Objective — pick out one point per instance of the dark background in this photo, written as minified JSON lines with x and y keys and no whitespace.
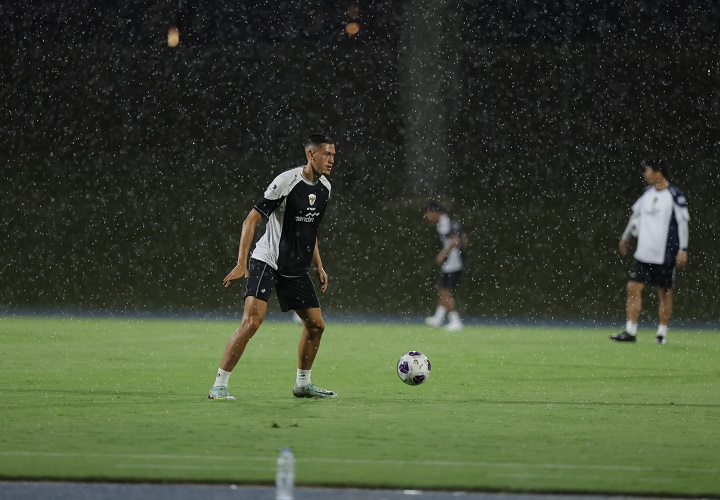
{"x":128,"y":166}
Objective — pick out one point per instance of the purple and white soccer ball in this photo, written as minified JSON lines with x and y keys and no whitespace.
{"x":413,"y":368}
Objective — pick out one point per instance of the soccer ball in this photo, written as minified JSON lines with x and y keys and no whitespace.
{"x":413,"y":368}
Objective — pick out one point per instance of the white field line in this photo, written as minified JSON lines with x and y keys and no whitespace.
{"x":638,"y":479}
{"x":189,"y":467}
{"x":476,"y":464}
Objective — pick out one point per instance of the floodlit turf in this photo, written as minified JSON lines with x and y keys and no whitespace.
{"x":506,"y":408}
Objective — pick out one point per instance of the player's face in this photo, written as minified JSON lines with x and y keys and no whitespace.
{"x":652,"y":177}
{"x":432,"y":216}
{"x":322,"y":158}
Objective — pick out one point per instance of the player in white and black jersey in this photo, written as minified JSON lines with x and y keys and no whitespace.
{"x":293,"y":205}
{"x":451,"y":262}
{"x":660,"y":221}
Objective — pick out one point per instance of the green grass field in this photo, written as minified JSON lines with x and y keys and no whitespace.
{"x":506,"y":408}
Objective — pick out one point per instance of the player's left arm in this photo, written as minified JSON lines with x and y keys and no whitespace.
{"x":682,"y":216}
{"x":321,"y":274}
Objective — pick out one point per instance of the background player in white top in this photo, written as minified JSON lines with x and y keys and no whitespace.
{"x":450,"y":260}
{"x":294,"y":205}
{"x":660,"y":219}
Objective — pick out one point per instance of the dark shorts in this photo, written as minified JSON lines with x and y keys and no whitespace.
{"x":662,"y":275}
{"x":450,"y":280}
{"x":293,"y":293}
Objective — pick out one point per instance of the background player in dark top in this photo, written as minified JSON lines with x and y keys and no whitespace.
{"x":660,"y":220}
{"x":293,"y":205}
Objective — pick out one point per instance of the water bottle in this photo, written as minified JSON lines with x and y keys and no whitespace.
{"x":285,"y":475}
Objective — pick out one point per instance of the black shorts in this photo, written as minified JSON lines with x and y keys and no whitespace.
{"x":662,"y":275}
{"x":293,"y":293}
{"x":450,"y":280}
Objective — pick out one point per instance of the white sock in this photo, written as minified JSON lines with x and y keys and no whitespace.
{"x":222,"y":378}
{"x":440,"y":313}
{"x":303,"y":378}
{"x":662,"y":330}
{"x":631,"y":328}
{"x":454,"y":317}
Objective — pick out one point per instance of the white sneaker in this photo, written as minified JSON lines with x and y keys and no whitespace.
{"x":433,"y":321}
{"x":454,"y":326}
{"x":220,"y":393}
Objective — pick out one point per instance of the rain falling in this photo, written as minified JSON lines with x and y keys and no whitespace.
{"x":137,"y":137}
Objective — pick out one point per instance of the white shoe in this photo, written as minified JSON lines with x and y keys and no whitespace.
{"x":220,"y":393}
{"x":433,"y":321}
{"x":455,"y":326}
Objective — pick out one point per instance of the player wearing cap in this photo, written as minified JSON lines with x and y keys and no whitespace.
{"x":660,"y":220}
{"x":293,"y":205}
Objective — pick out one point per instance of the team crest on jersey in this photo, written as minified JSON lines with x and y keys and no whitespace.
{"x":312,"y":199}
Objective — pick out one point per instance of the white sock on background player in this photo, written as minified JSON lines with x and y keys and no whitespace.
{"x":440,"y":313}
{"x":631,"y":328}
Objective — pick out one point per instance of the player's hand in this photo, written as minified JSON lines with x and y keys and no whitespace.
{"x":239,"y":271}
{"x":623,"y":247}
{"x":681,"y":259}
{"x":323,"y":279}
{"x":440,"y":258}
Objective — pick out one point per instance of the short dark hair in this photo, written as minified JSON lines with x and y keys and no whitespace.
{"x":317,"y":139}
{"x":434,"y":207}
{"x":658,"y":166}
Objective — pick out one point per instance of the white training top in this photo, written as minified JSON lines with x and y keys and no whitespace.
{"x":293,"y":207}
{"x":446,"y":229}
{"x":660,"y":218}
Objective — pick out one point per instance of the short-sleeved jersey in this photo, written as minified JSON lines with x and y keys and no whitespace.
{"x":659,"y":214}
{"x":294,"y":208}
{"x":447,"y":229}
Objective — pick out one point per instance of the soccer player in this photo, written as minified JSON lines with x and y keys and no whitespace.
{"x":660,"y":219}
{"x":293,"y":205}
{"x":450,"y":260}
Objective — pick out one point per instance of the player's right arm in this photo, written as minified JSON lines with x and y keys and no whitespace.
{"x":246,"y":238}
{"x":445,"y":252}
{"x":631,"y":229}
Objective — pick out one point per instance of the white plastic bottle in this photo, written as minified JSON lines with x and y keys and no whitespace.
{"x":285,"y":475}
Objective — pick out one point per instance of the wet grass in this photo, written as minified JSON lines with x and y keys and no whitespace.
{"x":506,"y":408}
